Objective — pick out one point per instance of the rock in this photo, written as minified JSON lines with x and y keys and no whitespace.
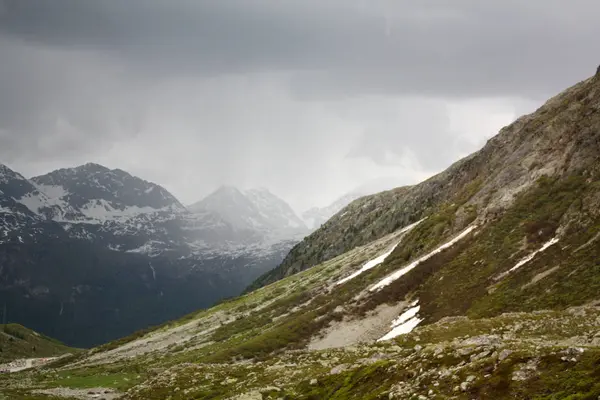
{"x":418,"y":348}
{"x":526,"y":371}
{"x":481,"y":355}
{"x":338,"y":369}
{"x":464,"y":386}
{"x":471,"y":378}
{"x":482,"y":340}
{"x":313,"y":381}
{"x":504,"y":354}
{"x":254,"y":395}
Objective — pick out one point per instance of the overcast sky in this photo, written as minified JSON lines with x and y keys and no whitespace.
{"x":308,"y":98}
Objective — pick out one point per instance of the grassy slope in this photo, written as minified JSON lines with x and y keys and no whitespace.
{"x":16,"y":341}
{"x":457,"y":281}
{"x":433,"y":360}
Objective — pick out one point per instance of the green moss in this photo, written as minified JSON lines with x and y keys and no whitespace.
{"x":553,"y":378}
{"x":366,"y":383}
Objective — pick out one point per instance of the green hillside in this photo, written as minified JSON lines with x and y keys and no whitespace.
{"x":16,"y":341}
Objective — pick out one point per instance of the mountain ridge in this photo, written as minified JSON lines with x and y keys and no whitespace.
{"x":498,"y":160}
{"x":112,"y":232}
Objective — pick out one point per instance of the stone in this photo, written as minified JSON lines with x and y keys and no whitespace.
{"x":504,"y":354}
{"x":338,"y":369}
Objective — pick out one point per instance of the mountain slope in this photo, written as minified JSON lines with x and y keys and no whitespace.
{"x":88,"y":254}
{"x":16,"y":342}
{"x":317,"y":216}
{"x":99,"y":193}
{"x":557,"y":140}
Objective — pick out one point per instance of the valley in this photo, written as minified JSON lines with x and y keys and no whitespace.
{"x":91,"y":254}
{"x":481,"y":282}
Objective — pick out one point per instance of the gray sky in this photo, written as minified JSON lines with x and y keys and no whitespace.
{"x":309,"y":98}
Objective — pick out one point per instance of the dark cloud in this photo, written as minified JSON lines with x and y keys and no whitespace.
{"x":321,"y":94}
{"x":461,"y":48}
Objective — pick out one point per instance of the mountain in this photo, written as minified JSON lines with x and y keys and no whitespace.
{"x":481,"y":282}
{"x":18,"y":342}
{"x":88,"y":254}
{"x":255,"y":210}
{"x":98,"y":194}
{"x":317,"y":216}
{"x":557,"y":141}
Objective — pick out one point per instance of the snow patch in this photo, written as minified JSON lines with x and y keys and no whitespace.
{"x":52,"y":191}
{"x":100,"y":210}
{"x":397,"y":274}
{"x":376,"y":261}
{"x":147,"y":248}
{"x":153,"y":271}
{"x":34,"y":202}
{"x":405,"y":323}
{"x":529,"y":257}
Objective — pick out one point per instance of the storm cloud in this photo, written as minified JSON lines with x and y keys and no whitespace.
{"x":308,"y":98}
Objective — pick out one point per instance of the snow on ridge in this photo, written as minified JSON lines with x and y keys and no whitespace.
{"x":398,"y":273}
{"x":378,"y":260}
{"x":147,"y":248}
{"x":405,"y":323}
{"x":529,"y":257}
{"x":53,"y":192}
{"x":33,"y":202}
{"x":100,"y":210}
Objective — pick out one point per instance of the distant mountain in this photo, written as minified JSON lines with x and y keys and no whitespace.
{"x":89,"y":247}
{"x":98,"y":194}
{"x":317,"y":216}
{"x":256,"y":210}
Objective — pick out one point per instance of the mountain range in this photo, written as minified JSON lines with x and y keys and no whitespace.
{"x":72,"y":237}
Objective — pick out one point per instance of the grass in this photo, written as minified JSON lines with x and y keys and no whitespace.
{"x":554,"y":379}
{"x":81,"y":380}
{"x":16,"y":342}
{"x":370,"y":382}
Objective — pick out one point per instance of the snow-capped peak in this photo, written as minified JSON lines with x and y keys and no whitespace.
{"x":98,"y":193}
{"x":254,"y":209}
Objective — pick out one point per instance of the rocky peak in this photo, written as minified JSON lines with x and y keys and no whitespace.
{"x":254,"y":209}
{"x":98,"y":191}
